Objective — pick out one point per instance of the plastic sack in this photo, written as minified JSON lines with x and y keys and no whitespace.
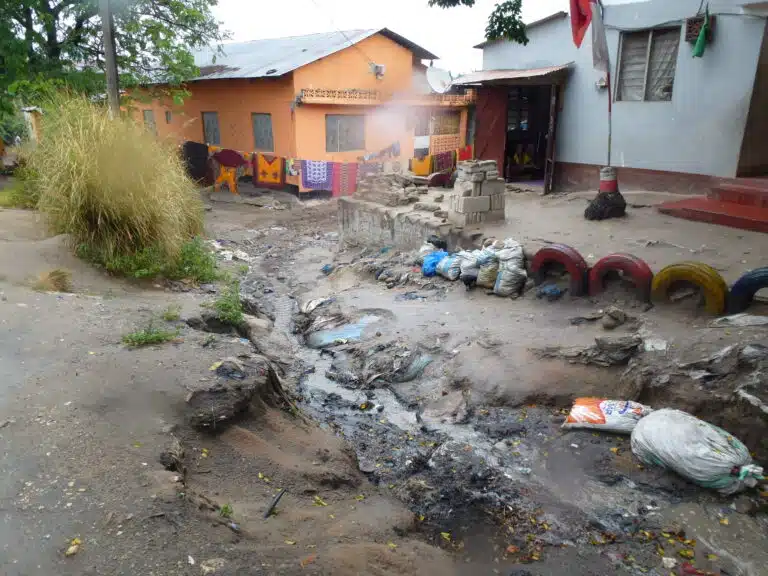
{"x":486,"y":256}
{"x":512,"y":252}
{"x":486,"y":278}
{"x":469,"y":267}
{"x":619,"y":416}
{"x":425,"y":249}
{"x":431,"y":260}
{"x":450,"y":267}
{"x":509,"y":281}
{"x":697,"y":450}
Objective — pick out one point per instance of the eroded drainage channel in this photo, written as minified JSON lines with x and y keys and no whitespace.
{"x":456,"y":478}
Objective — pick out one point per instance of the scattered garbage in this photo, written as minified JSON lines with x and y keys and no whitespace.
{"x":697,"y":450}
{"x":450,"y":267}
{"x":437,"y":242}
{"x":340,"y":335}
{"x":425,"y":249}
{"x":431,"y":260}
{"x":620,"y":416}
{"x":327,"y":269}
{"x":740,"y":321}
{"x":74,"y":547}
{"x":309,"y":306}
{"x":655,"y":345}
{"x":487,"y":273}
{"x":607,"y":351}
{"x":551,"y":292}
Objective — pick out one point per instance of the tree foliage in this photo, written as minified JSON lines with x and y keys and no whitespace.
{"x":46,"y":43}
{"x":504,"y":23}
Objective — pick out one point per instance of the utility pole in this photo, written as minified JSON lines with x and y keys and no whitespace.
{"x":110,"y":60}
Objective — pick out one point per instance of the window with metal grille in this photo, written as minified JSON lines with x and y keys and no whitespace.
{"x":211,"y":134}
{"x":647,"y":64}
{"x":149,"y":121}
{"x":344,"y":133}
{"x":262,"y":132}
{"x":445,"y":123}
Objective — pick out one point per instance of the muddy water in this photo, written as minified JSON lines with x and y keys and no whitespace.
{"x":451,"y":472}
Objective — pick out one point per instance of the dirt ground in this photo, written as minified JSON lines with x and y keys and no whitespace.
{"x":461,"y":470}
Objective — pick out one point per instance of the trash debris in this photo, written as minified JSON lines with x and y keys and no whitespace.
{"x":697,"y":450}
{"x":607,"y":351}
{"x":431,"y":261}
{"x":614,"y":317}
{"x":212,"y":566}
{"x":668,"y":562}
{"x":240,"y":255}
{"x":229,"y":368}
{"x":343,"y":334}
{"x":327,"y":269}
{"x":551,"y":292}
{"x":190,"y":560}
{"x":310,"y":306}
{"x":739,"y":321}
{"x":74,"y":547}
{"x":620,"y":416}
{"x":437,"y":242}
{"x":579,"y":320}
{"x":655,"y":345}
{"x":274,"y":503}
{"x":408,"y":296}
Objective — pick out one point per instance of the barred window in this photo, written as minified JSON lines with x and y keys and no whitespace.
{"x":647,"y":65}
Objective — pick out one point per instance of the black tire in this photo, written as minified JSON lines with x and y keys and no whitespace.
{"x":742,"y":293}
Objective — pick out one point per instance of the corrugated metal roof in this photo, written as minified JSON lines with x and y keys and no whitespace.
{"x":501,"y":76}
{"x":556,"y":16}
{"x":278,"y":56}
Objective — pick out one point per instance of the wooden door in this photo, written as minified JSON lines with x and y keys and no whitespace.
{"x":549,"y":162}
{"x":491,"y":124}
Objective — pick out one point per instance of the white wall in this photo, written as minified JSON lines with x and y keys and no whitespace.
{"x":699,"y":131}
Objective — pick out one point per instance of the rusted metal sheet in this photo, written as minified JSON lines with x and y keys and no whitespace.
{"x":491,"y":123}
{"x":549,"y":75}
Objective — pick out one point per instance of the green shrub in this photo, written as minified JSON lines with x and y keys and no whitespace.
{"x":172,"y":313}
{"x":149,"y":336}
{"x":119,"y":192}
{"x":228,"y":307}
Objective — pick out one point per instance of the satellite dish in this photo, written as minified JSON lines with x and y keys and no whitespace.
{"x":439,"y":80}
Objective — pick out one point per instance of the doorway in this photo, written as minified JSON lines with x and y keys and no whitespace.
{"x":527,"y":133}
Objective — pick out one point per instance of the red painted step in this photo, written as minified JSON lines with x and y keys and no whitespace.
{"x":713,"y":211}
{"x":747,"y":192}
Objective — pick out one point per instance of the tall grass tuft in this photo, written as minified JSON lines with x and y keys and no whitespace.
{"x":117,"y":190}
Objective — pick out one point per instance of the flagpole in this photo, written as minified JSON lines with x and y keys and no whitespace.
{"x":610,"y":117}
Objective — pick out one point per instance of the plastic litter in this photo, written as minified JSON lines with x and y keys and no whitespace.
{"x":620,"y":416}
{"x":697,"y":450}
{"x":469,"y":266}
{"x":431,"y":260}
{"x":425,"y":249}
{"x":739,"y":321}
{"x":437,"y":242}
{"x":327,"y":269}
{"x":486,"y":278}
{"x":551,"y":292}
{"x":450,"y":267}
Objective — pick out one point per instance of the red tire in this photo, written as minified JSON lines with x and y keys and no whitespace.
{"x":573,"y":262}
{"x":634,"y":267}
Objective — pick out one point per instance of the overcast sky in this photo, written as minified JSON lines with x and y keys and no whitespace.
{"x":448,"y":33}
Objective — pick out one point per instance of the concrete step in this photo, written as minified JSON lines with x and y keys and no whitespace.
{"x":732,"y":214}
{"x":747,"y":192}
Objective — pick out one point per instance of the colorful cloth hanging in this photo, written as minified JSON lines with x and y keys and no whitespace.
{"x":422,"y":166}
{"x":268,"y":171}
{"x":465,"y":153}
{"x":443,"y":161}
{"x":344,"y":182}
{"x":316,"y":174}
{"x":292,"y":167}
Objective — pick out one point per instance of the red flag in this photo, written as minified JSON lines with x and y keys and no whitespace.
{"x":581,"y":17}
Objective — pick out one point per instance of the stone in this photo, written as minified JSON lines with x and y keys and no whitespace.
{"x":439,"y":197}
{"x":613,"y":318}
{"x":212,"y":566}
{"x":426,"y":206}
{"x":465,"y":205}
{"x":448,"y":409}
{"x":256,"y":327}
{"x":208,"y":321}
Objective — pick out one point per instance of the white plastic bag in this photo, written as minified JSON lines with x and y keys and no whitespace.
{"x":469,"y":266}
{"x":425,"y":249}
{"x":511,"y":278}
{"x":620,"y":416}
{"x":450,"y":267}
{"x":697,"y":450}
{"x":512,"y":253}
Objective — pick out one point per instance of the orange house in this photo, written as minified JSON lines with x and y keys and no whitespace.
{"x":335,"y":96}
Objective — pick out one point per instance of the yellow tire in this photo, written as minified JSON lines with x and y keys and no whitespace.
{"x":708,"y":279}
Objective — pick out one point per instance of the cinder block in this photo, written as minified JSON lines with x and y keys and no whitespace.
{"x":491,"y":174}
{"x":492,"y":187}
{"x":494,"y":215}
{"x":465,"y":205}
{"x":497,"y":202}
{"x":464,"y":188}
{"x":466,"y":219}
{"x":471,"y":166}
{"x":477,"y":177}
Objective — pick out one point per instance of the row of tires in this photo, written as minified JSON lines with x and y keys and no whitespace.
{"x":591,"y":280}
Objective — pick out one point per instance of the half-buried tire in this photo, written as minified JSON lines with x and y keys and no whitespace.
{"x":706,"y":278}
{"x":745,"y":289}
{"x":634,"y":267}
{"x":569,"y":257}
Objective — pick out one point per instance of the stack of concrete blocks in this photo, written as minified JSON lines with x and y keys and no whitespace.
{"x":478,"y":195}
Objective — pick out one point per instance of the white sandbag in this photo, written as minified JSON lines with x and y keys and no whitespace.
{"x":469,"y":266}
{"x":620,"y":416}
{"x":486,"y":278}
{"x":697,"y":450}
{"x":510,"y":280}
{"x":512,"y":252}
{"x":450,"y":267}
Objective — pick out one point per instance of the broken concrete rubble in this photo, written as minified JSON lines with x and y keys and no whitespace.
{"x":607,"y":351}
